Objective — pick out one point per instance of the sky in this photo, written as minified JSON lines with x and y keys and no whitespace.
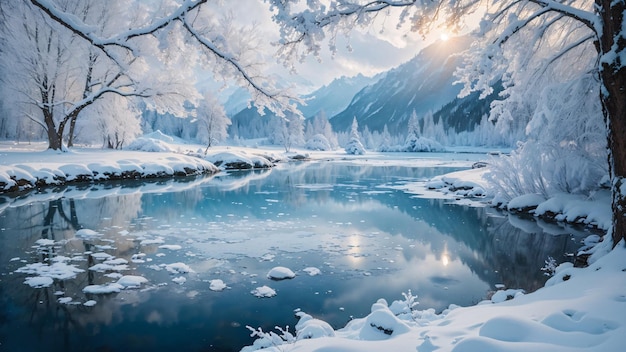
{"x":373,"y":50}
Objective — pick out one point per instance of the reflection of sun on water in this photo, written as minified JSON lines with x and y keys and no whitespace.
{"x":354,"y":251}
{"x":445,"y":257}
{"x":445,"y":260}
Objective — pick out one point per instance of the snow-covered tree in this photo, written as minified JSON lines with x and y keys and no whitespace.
{"x":287,"y":131}
{"x":569,"y":27}
{"x":354,"y":145}
{"x":229,"y":50}
{"x":212,"y":121}
{"x":114,"y":122}
{"x":321,"y":125}
{"x":54,"y":75}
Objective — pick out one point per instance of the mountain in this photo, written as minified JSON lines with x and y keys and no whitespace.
{"x":423,"y":84}
{"x":336,"y":96}
{"x":331,"y":98}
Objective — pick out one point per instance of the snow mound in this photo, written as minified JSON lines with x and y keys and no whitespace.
{"x":160,"y":136}
{"x":311,"y":328}
{"x":239,"y":160}
{"x":149,"y":145}
{"x":280,"y":273}
{"x":525,"y":202}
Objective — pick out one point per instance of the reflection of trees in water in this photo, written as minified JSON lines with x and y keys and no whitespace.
{"x":58,"y":220}
{"x":494,"y":249}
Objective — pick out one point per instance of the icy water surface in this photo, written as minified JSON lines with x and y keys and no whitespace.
{"x":367,"y":240}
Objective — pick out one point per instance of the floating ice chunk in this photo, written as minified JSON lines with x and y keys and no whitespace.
{"x":178,"y":268}
{"x":263,"y":292}
{"x":87,"y":233}
{"x":217,"y":285}
{"x":131,"y":281}
{"x":38,"y":281}
{"x":138,"y":258}
{"x":113,"y":275}
{"x":101,"y":256}
{"x":44,"y":242}
{"x":179,"y":280}
{"x":171,"y":247}
{"x":64,"y":300}
{"x":102,"y":267}
{"x":280,"y":273}
{"x":312,"y":271}
{"x":60,"y":270}
{"x":116,"y":261}
{"x":14,"y":259}
{"x":103,"y":289}
{"x":268,"y":257}
{"x":90,"y":303}
{"x":157,"y":240}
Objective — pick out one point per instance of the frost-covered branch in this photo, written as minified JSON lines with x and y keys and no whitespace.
{"x":273,"y":99}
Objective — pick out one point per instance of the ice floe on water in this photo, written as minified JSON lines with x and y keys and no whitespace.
{"x":178,"y":268}
{"x":131,"y":281}
{"x":280,"y":273}
{"x":264,"y":292}
{"x":179,"y":280}
{"x":171,"y":247}
{"x":39,"y":281}
{"x":312,"y":271}
{"x":217,"y":285}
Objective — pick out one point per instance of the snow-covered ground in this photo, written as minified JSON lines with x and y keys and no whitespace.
{"x":579,"y":309}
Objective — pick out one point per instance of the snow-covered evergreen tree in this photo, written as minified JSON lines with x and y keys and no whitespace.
{"x":354,"y":145}
{"x":415,"y":142}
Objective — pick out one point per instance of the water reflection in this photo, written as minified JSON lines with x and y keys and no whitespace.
{"x":368,"y":240}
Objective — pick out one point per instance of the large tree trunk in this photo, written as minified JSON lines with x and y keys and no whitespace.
{"x":613,"y":95}
{"x":55,"y":141}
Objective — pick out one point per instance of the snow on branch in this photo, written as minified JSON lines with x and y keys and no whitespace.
{"x":275,"y":100}
{"x":587,"y":18}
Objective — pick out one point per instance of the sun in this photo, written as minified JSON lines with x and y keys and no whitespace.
{"x":444,"y":36}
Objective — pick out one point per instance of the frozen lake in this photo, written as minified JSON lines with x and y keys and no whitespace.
{"x":347,"y":232}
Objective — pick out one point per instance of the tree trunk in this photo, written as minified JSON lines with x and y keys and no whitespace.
{"x":70,"y":138}
{"x":55,"y":142}
{"x":613,"y":96}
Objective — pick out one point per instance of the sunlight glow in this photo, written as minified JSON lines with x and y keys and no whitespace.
{"x":445,"y":260}
{"x":444,"y":36}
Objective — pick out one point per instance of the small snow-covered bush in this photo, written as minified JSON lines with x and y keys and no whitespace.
{"x":421,"y":144}
{"x":318,"y":142}
{"x":545,"y":169}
